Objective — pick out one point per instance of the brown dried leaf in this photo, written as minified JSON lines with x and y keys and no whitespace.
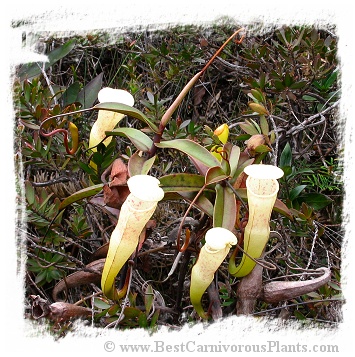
{"x":119,"y":173}
{"x":115,"y":196}
{"x":199,"y":93}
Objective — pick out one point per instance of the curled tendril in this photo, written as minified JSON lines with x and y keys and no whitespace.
{"x":74,"y":133}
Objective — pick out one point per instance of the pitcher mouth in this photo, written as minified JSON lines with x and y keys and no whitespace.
{"x":145,"y":188}
{"x":266,"y":172}
{"x":252,"y":180}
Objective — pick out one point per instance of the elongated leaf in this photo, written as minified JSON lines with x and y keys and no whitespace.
{"x":202,"y":203}
{"x":316,"y":200}
{"x":241,"y":168}
{"x":192,"y":149}
{"x":234,"y":155}
{"x":264,"y":126}
{"x":35,"y":69}
{"x":182,"y":182}
{"x":127,"y":110}
{"x":281,"y":208}
{"x":79,"y":195}
{"x":88,"y":95}
{"x":296,"y":191}
{"x":225,"y":210}
{"x":138,"y":165}
{"x":70,"y":95}
{"x":30,"y":193}
{"x":248,"y":128}
{"x":286,"y":156}
{"x":148,"y":299}
{"x":135,"y":164}
{"x":140,"y":140}
{"x":215,"y":174}
{"x":258,"y":108}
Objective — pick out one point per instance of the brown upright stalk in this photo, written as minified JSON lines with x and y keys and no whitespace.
{"x":167,"y":115}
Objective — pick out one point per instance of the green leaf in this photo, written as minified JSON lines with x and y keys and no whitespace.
{"x":249,"y":128}
{"x":286,"y":156}
{"x":135,"y":164}
{"x":70,"y":95}
{"x":192,"y":149}
{"x":138,"y":165}
{"x":258,"y":108}
{"x":241,"y":168}
{"x":262,"y":148}
{"x":79,"y":195}
{"x":202,"y":202}
{"x":215,"y":174}
{"x":257,"y":95}
{"x":288,"y":80}
{"x":148,"y":299}
{"x":140,"y":140}
{"x":264,"y":126}
{"x":279,"y":85}
{"x":182,"y":182}
{"x":234,"y":155}
{"x":88,"y":95}
{"x":316,"y":200}
{"x":35,"y":69}
{"x":100,"y":304}
{"x":224,"y":213}
{"x":298,"y":85}
{"x":296,"y":191}
{"x":281,"y":208}
{"x":127,"y":110}
{"x":30,"y":193}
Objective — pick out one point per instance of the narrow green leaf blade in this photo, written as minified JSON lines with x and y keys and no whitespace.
{"x":79,"y":195}
{"x":316,"y":200}
{"x":225,"y":208}
{"x":35,"y":69}
{"x":140,"y":140}
{"x":192,"y":149}
{"x":182,"y":182}
{"x":88,"y":95}
{"x":127,"y":110}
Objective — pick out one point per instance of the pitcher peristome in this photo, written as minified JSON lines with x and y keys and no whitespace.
{"x":262,"y":188}
{"x":218,"y":242}
{"x":136,"y":211}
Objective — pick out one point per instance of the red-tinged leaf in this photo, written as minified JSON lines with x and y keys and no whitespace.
{"x":242,"y":165}
{"x":135,"y":164}
{"x":215,"y":174}
{"x":182,"y":182}
{"x":202,"y":203}
{"x":192,"y":149}
{"x":79,"y":195}
{"x":200,"y":167}
{"x":225,"y":208}
{"x":281,"y":208}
